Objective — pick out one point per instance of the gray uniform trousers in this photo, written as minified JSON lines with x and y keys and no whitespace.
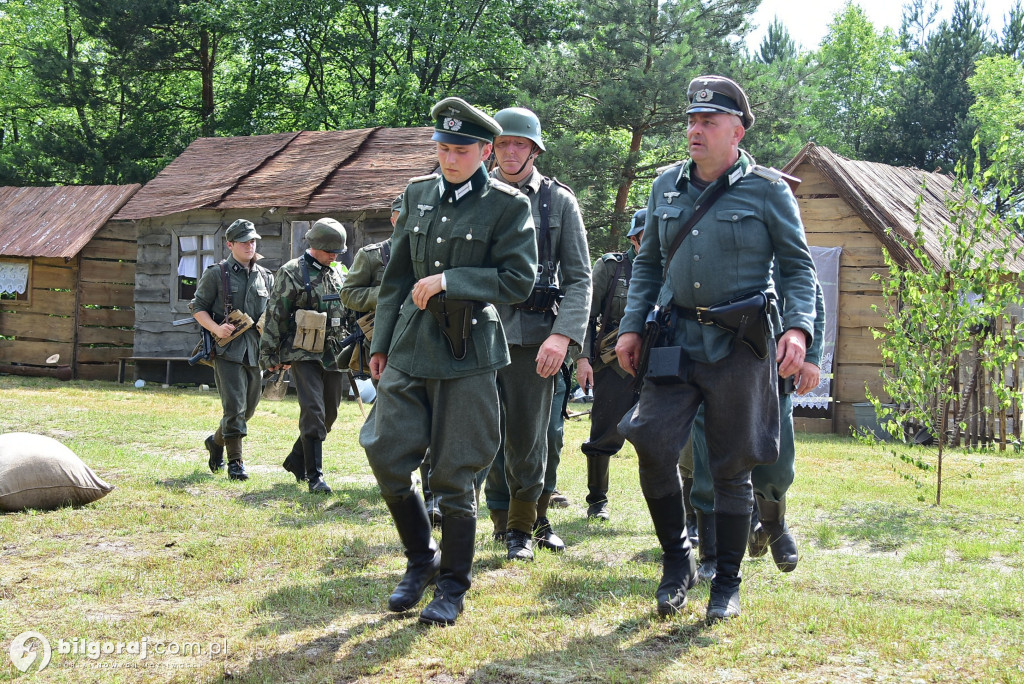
{"x":741,"y":399}
{"x":526,"y":401}
{"x":556,"y":434}
{"x":240,"y":388}
{"x":456,"y":418}
{"x":319,"y":392}
{"x":770,"y":481}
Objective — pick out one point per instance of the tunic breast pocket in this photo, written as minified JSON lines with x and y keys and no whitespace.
{"x":743,"y":226}
{"x":469,"y":244}
{"x":669,"y":220}
{"x":418,"y":245}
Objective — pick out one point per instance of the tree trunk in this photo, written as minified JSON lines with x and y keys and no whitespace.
{"x":206,"y":61}
{"x":628,"y":176}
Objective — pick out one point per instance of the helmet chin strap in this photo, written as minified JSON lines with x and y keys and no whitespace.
{"x":532,"y":155}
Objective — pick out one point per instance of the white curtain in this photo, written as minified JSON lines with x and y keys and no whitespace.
{"x":13,"y":276}
{"x":188,"y":248}
{"x":826,"y":263}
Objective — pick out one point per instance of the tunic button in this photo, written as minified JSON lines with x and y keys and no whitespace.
{"x":696,"y":286}
{"x":664,"y":216}
{"x":444,"y":219}
{"x":696,"y":257}
{"x":416,"y":229}
{"x":437,"y":263}
{"x":734,"y":217}
{"x":469,"y":236}
{"x":474,"y":321}
{"x":695,"y":232}
{"x":439,"y":240}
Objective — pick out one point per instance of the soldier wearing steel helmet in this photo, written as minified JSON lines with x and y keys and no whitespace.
{"x":236,"y":364}
{"x":303,"y":332}
{"x":715,"y":223}
{"x":463,"y":242}
{"x":539,"y":332}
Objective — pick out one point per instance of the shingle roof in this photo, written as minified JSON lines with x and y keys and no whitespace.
{"x":56,"y":221}
{"x":305,"y":172}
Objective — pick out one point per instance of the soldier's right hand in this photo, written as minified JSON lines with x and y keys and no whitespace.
{"x":377,"y":364}
{"x":585,"y":374}
{"x":627,"y":350}
{"x":224,"y":330}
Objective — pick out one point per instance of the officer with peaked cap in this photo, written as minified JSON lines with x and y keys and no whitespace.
{"x":237,"y":283}
{"x":463,"y":242}
{"x":304,"y":330}
{"x":598,"y":370}
{"x":715,"y":223}
{"x":539,"y":332}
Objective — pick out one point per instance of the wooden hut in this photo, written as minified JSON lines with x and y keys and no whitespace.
{"x":281,"y":183}
{"x":851,"y":204}
{"x":67,"y":274}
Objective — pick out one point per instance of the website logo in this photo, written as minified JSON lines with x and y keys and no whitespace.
{"x":27,"y":647}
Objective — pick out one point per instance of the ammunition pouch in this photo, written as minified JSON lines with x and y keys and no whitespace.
{"x":668,"y":366}
{"x":310,"y":330}
{"x":454,"y":316}
{"x":365,"y":324}
{"x":241,"y":321}
{"x":608,"y":346}
{"x":359,"y":363}
{"x":746,"y":316}
{"x":543,"y":298}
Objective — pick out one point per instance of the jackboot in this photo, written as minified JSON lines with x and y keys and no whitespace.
{"x":236,"y":469}
{"x":424,"y":557}
{"x":707,"y":546}
{"x":215,"y":445}
{"x":313,"y":453}
{"x":692,"y":530}
{"x":731,"y":541}
{"x":679,"y":570}
{"x":597,"y":483}
{"x":500,"y":520}
{"x":757,"y":537}
{"x":544,"y":536}
{"x":458,"y":536}
{"x":295,"y":463}
{"x":773,"y":522}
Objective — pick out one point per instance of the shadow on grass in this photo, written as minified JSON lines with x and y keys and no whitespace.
{"x":197,"y":476}
{"x":887,"y":527}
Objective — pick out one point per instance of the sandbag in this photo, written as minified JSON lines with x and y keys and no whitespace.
{"x":39,"y":472}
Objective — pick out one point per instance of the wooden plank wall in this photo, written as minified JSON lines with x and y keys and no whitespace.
{"x":106,"y":306}
{"x":830,"y":222}
{"x":43,"y":327}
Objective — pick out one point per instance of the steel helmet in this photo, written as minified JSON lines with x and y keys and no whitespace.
{"x":520,"y":122}
{"x":327,"y":235}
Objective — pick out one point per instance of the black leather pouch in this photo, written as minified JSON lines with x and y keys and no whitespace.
{"x":668,"y":366}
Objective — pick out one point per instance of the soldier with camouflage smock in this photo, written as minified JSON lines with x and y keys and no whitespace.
{"x":463,"y":242}
{"x":304,"y":331}
{"x":236,"y":364}
{"x":613,"y":387}
{"x":539,"y":332}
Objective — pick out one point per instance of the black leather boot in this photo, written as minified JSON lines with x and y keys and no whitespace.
{"x":424,"y":558}
{"x":692,"y":530}
{"x":215,"y":445}
{"x":313,"y":454}
{"x":458,"y":537}
{"x":295,"y":463}
{"x":236,"y":469}
{"x":773,"y":521}
{"x":543,"y":534}
{"x":679,"y":570}
{"x":731,"y":541}
{"x":708,"y":553}
{"x":597,"y":483}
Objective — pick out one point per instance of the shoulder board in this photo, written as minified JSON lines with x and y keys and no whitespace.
{"x":613,"y":256}
{"x":662,"y":169}
{"x":504,"y":187}
{"x":773,"y":175}
{"x":374,"y":247}
{"x":563,"y":185}
{"x":429,"y":176}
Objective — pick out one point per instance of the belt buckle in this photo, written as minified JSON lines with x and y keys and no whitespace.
{"x":700,"y":310}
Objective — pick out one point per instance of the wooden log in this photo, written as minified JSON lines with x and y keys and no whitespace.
{"x":58,"y":372}
{"x":34,"y":353}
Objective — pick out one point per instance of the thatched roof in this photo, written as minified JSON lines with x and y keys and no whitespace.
{"x":306,"y":173}
{"x":56,"y":221}
{"x":887,"y":197}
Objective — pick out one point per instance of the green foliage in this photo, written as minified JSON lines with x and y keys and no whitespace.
{"x":998,"y":110}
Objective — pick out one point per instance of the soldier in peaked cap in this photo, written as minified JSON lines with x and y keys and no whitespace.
{"x":539,"y":332}
{"x":463,"y":242}
{"x":236,"y":283}
{"x":304,"y":330}
{"x":715,"y":223}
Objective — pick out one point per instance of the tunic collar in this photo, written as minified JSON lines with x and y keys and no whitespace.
{"x":456,"y":193}
{"x":735,"y":172}
{"x":313,"y":263}
{"x":529,"y":185}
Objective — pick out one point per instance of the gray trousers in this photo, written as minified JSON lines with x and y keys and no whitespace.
{"x":613,"y":397}
{"x":456,"y":419}
{"x":320,"y":393}
{"x":240,"y":388}
{"x":741,"y":403}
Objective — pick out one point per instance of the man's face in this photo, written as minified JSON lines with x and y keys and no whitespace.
{"x":459,"y":162}
{"x":325,"y":258}
{"x":636,"y":240}
{"x":511,"y":151}
{"x":243,"y":251}
{"x":712,"y":136}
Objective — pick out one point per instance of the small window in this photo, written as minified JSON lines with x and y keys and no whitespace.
{"x":196,"y":253}
{"x":15,"y":281}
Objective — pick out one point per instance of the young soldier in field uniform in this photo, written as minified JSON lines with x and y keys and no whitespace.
{"x":613,"y":387}
{"x":304,"y":331}
{"x":715,"y":223}
{"x":235,"y":365}
{"x":462,"y":243}
{"x":539,"y":332}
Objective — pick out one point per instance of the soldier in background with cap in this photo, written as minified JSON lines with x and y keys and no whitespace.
{"x":736,"y":217}
{"x":462,"y":243}
{"x":236,"y":364}
{"x":303,"y":332}
{"x":613,"y":387}
{"x":539,"y":332}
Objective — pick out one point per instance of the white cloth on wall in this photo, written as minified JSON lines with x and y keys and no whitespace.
{"x":14,"y":276}
{"x":826,"y":263}
{"x":188,"y":248}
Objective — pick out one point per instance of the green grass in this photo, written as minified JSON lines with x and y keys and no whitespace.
{"x":294,"y":587}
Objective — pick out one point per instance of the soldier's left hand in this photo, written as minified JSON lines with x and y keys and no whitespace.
{"x":791,"y":351}
{"x":424,"y":289}
{"x":551,"y":355}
